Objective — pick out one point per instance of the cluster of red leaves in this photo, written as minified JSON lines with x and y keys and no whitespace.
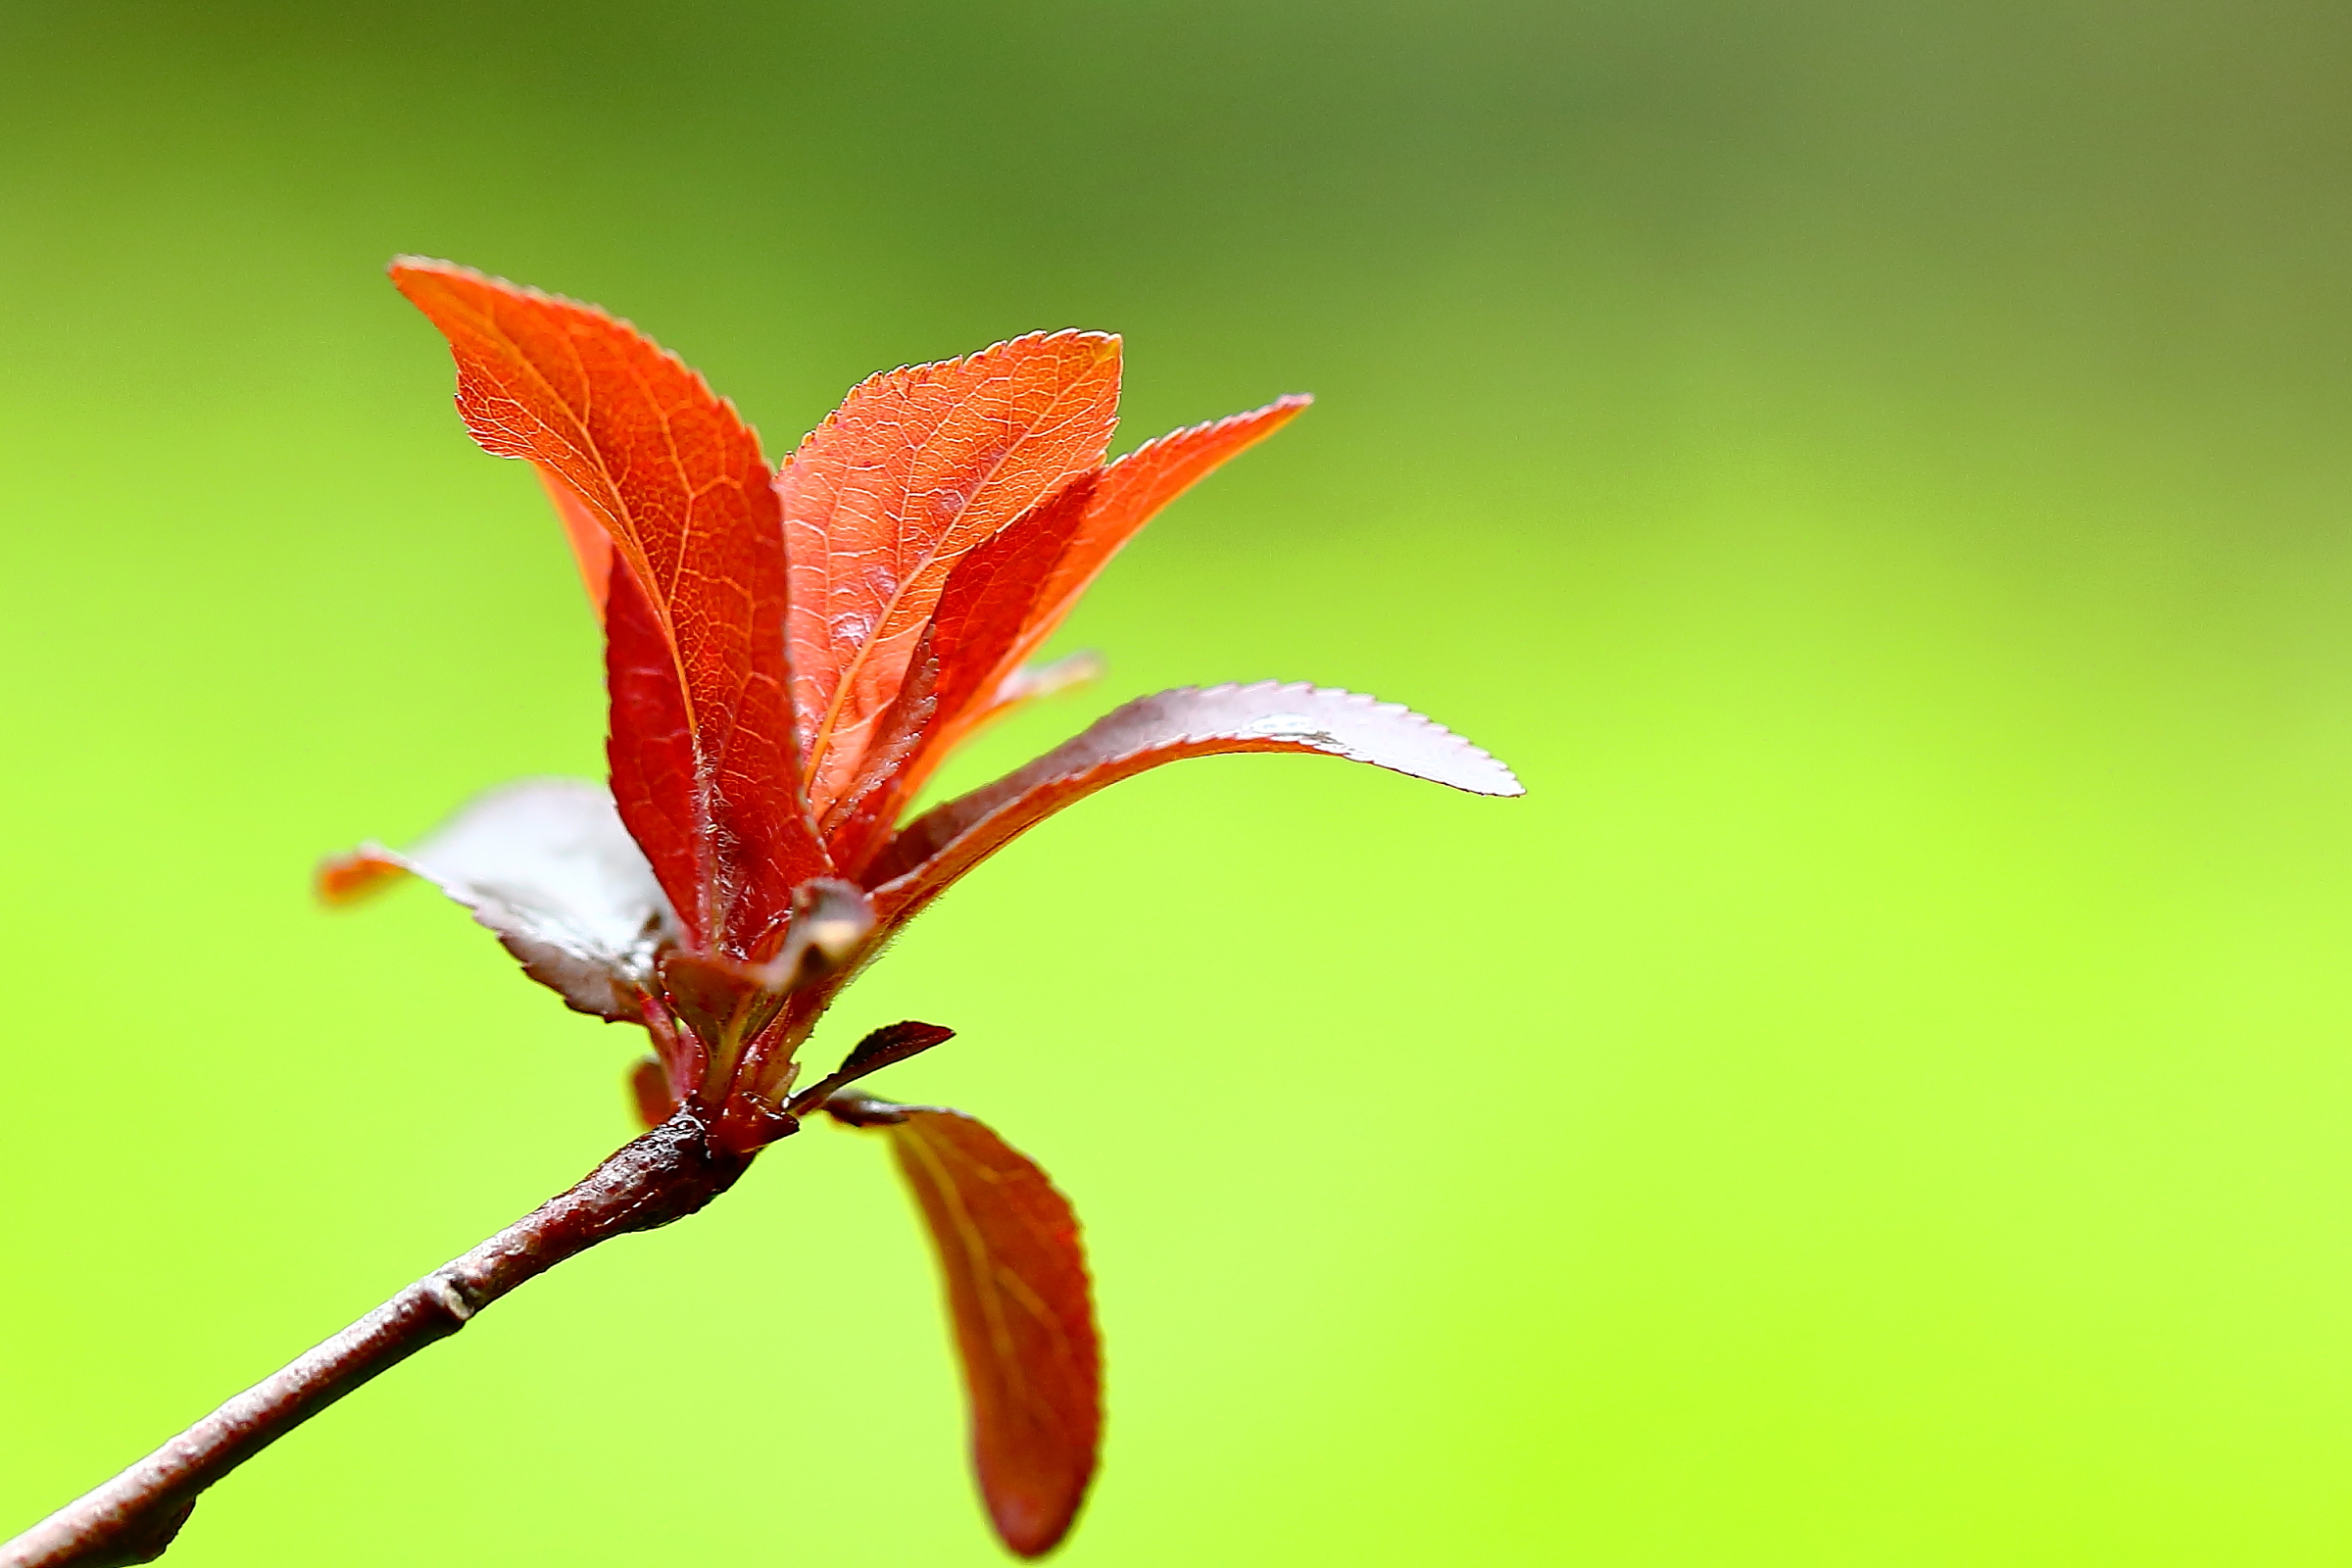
{"x":790,"y":654}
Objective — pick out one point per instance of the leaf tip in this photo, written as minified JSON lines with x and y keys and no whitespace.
{"x":884,"y":1048}
{"x":410,"y":274}
{"x":347,"y":878}
{"x":1030,"y":1531}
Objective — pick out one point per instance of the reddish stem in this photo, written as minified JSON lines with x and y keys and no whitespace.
{"x":662,"y":1176}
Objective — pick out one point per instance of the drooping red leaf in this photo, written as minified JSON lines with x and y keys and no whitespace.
{"x":676,"y":481}
{"x":951,"y":839}
{"x":915,"y":468}
{"x":548,"y":866}
{"x":1023,"y":1312}
{"x":1128,"y":494}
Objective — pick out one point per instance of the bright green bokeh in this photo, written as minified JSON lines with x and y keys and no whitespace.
{"x":1876,"y":472}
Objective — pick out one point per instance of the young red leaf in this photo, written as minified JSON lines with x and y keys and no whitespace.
{"x":1023,"y":1311}
{"x":1007,"y":594}
{"x":948,"y":841}
{"x":989,"y":599}
{"x":1128,"y":494}
{"x":996,"y":593}
{"x":649,"y":746}
{"x":861,"y":818}
{"x":676,"y":482}
{"x":915,"y":468}
{"x":548,"y":866}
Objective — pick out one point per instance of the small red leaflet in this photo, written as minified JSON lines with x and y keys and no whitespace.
{"x":791,"y":650}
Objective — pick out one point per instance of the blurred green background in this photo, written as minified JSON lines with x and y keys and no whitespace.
{"x":1877,"y":470}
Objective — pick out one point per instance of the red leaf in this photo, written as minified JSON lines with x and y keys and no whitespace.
{"x":1007,"y":594}
{"x":1023,"y":1310}
{"x":676,"y":482}
{"x":547,"y":865}
{"x":996,"y":593}
{"x":1128,"y":494}
{"x":915,"y":468}
{"x":648,"y":748}
{"x":861,"y":821}
{"x":989,"y":598}
{"x":949,"y":840}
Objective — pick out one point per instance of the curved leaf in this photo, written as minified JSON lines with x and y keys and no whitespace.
{"x":1023,"y":1310}
{"x":676,"y":482}
{"x":885,"y":1047}
{"x":650,"y":754}
{"x":915,"y":468}
{"x":1005,"y":598}
{"x":989,"y":598}
{"x":996,"y":593}
{"x":547,"y":865}
{"x":949,"y":840}
{"x":1127,"y":495}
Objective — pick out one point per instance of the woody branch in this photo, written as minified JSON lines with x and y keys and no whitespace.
{"x":662,"y":1176}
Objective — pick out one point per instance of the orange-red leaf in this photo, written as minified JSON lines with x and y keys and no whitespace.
{"x":1007,"y":596}
{"x":951,"y":839}
{"x":1128,"y":494}
{"x":996,"y":593}
{"x":650,"y":749}
{"x":989,"y":599}
{"x":915,"y":468}
{"x":1023,"y":1311}
{"x":676,"y":482}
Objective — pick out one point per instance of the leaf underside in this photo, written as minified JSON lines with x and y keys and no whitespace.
{"x":1022,"y":1307}
{"x":547,"y":865}
{"x":951,"y":839}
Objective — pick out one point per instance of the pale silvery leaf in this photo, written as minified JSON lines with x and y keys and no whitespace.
{"x":950,"y":839}
{"x":547,"y":865}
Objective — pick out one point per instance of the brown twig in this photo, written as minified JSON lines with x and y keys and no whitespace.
{"x":665,"y":1175}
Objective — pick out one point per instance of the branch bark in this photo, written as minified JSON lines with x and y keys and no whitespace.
{"x":665,"y":1175}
